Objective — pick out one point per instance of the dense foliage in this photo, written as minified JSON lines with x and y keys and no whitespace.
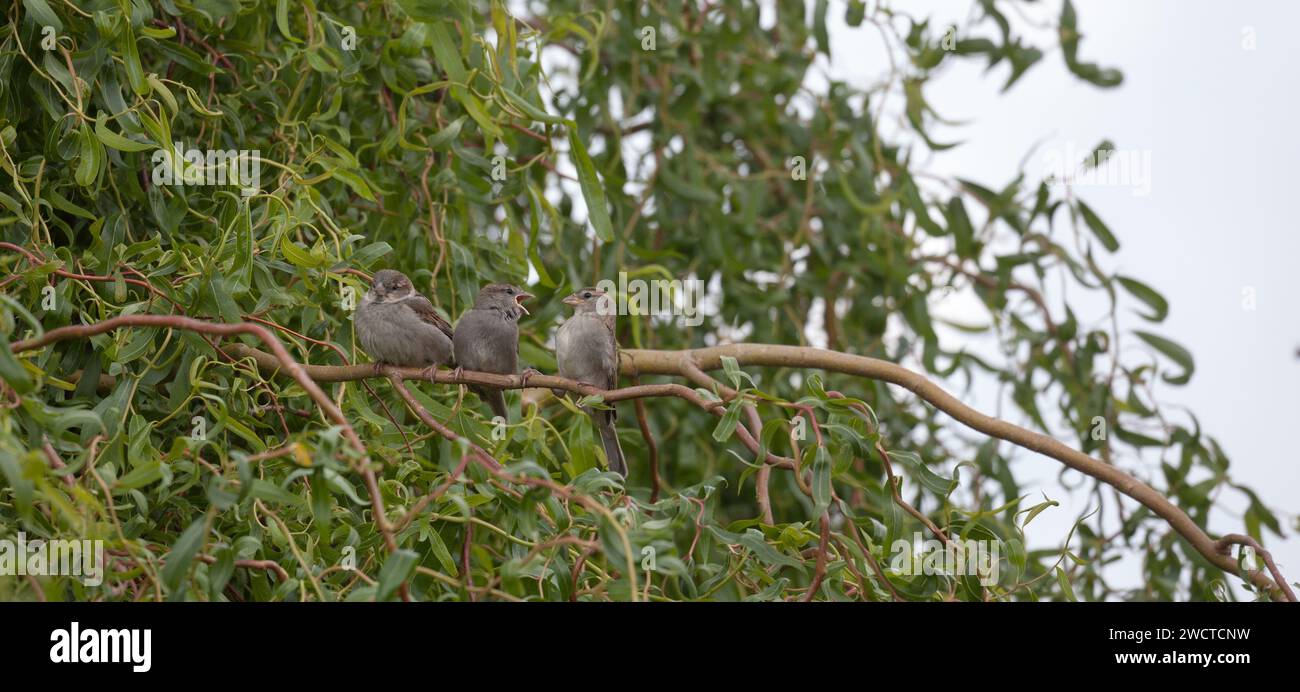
{"x":555,"y":144}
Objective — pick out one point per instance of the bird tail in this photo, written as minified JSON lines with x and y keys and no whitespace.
{"x":609,"y":438}
{"x":496,"y":400}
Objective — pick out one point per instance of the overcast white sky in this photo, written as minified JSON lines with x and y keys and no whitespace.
{"x":1218,"y":224}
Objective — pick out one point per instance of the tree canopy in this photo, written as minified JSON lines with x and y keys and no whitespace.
{"x":553,"y":145}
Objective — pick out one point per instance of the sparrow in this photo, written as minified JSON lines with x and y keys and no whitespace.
{"x":398,"y":326}
{"x":586,"y":350}
{"x":487,"y":338}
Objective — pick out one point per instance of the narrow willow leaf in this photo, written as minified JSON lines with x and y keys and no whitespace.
{"x":1098,"y":228}
{"x":163,"y":92}
{"x":1064,"y":581}
{"x":444,"y":51}
{"x":1174,"y":352}
{"x":592,"y":192}
{"x":727,"y":424}
{"x":39,"y":12}
{"x":282,"y":20}
{"x":1036,"y":510}
{"x":446,"y":135}
{"x":821,"y":486}
{"x":88,"y":161}
{"x":1159,"y":306}
{"x":115,"y":140}
{"x":13,"y":372}
{"x":356,"y":182}
{"x":397,"y":569}
{"x":298,"y":256}
{"x":131,"y":60}
{"x":181,"y":557}
{"x":443,"y":555}
{"x":193,"y":98}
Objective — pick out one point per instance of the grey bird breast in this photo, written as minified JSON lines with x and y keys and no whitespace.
{"x":395,"y":333}
{"x":487,"y":341}
{"x":585,"y":350}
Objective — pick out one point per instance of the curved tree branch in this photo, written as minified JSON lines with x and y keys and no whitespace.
{"x":677,"y":362}
{"x":689,"y":363}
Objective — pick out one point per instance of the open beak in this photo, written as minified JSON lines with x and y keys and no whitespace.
{"x":519,"y":300}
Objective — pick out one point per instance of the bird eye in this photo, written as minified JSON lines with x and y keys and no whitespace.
{"x":586,"y":294}
{"x":510,"y":291}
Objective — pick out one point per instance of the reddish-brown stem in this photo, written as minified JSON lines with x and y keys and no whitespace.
{"x":820,"y":572}
{"x":1241,"y":539}
{"x":643,"y":421}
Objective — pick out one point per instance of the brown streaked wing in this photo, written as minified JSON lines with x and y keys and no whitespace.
{"x":612,"y":374}
{"x":424,"y":310}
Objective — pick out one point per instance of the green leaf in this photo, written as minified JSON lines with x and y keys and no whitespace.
{"x":1099,"y":155}
{"x":444,"y":51}
{"x":89,"y":158}
{"x":960,"y":225}
{"x":270,"y":492}
{"x":142,"y":475}
{"x":914,"y":201}
{"x":754,"y":541}
{"x":819,"y":27}
{"x":399,"y":567}
{"x":115,"y":140}
{"x":734,"y":373}
{"x":1036,"y":510}
{"x":39,"y":11}
{"x":1064,"y":581}
{"x":446,"y":135}
{"x":688,"y":190}
{"x":443,"y":555}
{"x":12,"y":370}
{"x":181,"y":556}
{"x":1098,"y":228}
{"x":157,"y":32}
{"x":1171,"y":350}
{"x":855,"y":13}
{"x":592,"y":192}
{"x":158,"y":87}
{"x":356,"y":182}
{"x":821,"y":485}
{"x":1159,"y":306}
{"x":933,"y":482}
{"x":532,"y":111}
{"x":22,"y":487}
{"x":727,"y":424}
{"x":131,"y":60}
{"x":298,"y":256}
{"x":282,"y":20}
{"x":1070,"y":37}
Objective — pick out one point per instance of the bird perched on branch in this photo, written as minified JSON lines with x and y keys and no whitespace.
{"x":398,"y":326}
{"x":586,"y":350}
{"x":487,"y":338}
